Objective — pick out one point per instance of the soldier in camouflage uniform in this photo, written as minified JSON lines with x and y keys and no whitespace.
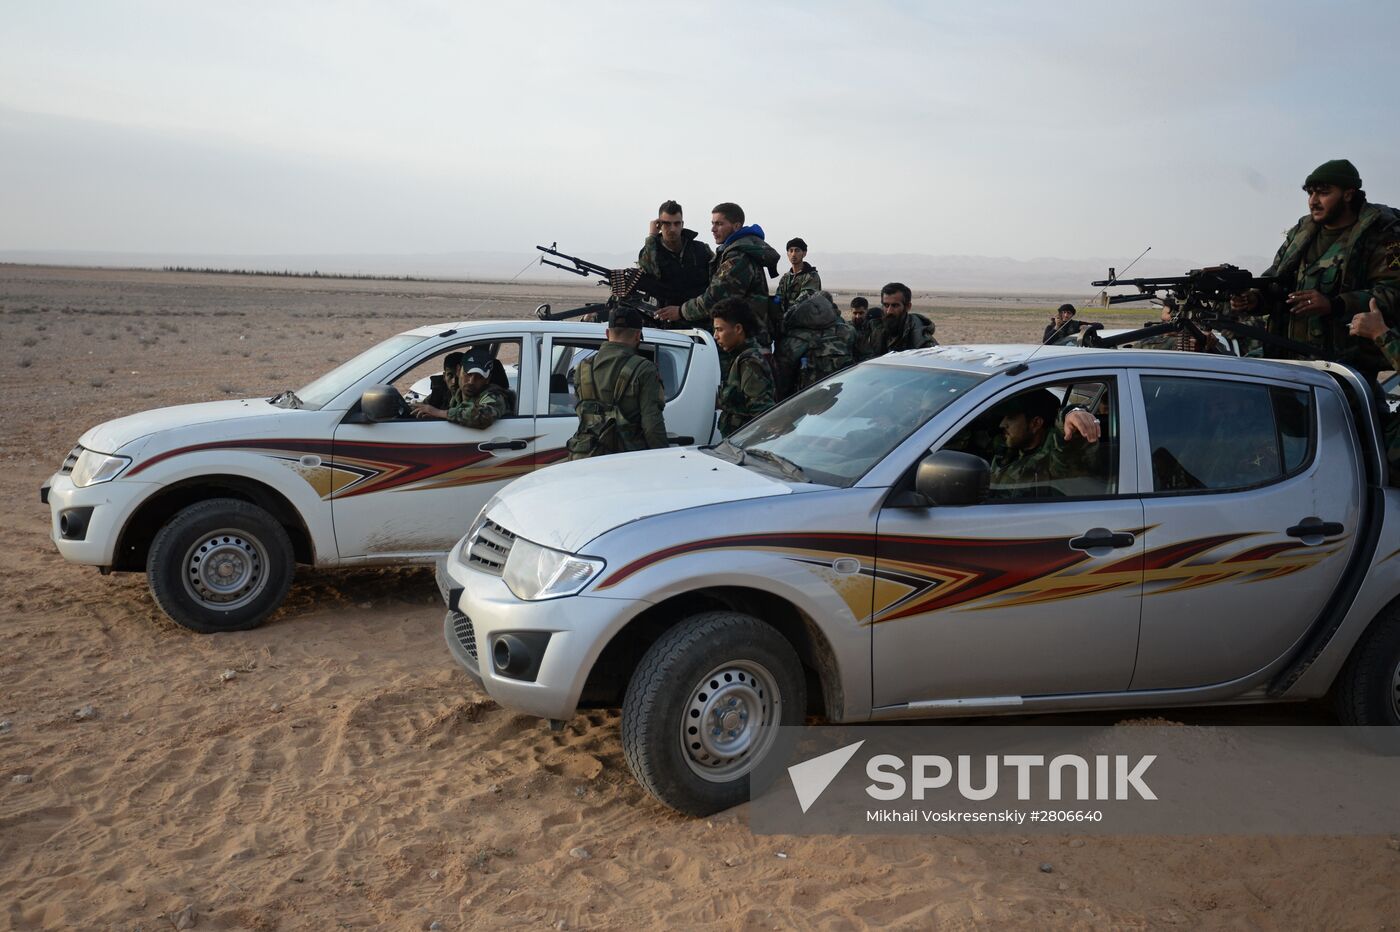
{"x":476,"y":403}
{"x":1330,"y":261}
{"x":1039,"y":451}
{"x":620,"y":400}
{"x":900,"y":328}
{"x":858,"y":308}
{"x":816,"y":342}
{"x":747,"y":389}
{"x":1372,"y":326}
{"x":675,"y":265}
{"x":799,"y":281}
{"x":737,"y":271}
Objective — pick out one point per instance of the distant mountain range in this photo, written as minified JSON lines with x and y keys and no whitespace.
{"x":868,"y":271}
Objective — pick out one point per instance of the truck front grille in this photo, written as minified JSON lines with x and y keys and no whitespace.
{"x":489,"y":548}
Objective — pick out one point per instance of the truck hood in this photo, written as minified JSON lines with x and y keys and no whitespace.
{"x":568,"y":505}
{"x":111,"y":436}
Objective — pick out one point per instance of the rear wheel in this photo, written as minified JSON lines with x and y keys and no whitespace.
{"x":220,"y":565}
{"x":705,"y":707}
{"x":1368,"y":690}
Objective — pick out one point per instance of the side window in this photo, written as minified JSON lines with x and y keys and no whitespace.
{"x":672,"y":363}
{"x":426,"y":380}
{"x":1216,"y":435}
{"x":563,"y":373}
{"x":1023,"y":439}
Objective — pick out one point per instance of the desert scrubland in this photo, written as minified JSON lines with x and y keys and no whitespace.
{"x":350,"y":776}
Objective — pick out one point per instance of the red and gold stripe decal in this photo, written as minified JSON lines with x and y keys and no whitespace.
{"x":355,"y":467}
{"x":902,"y":576}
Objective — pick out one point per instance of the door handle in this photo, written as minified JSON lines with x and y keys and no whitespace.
{"x":1314,"y":526}
{"x":501,"y":445}
{"x":1100,"y":538}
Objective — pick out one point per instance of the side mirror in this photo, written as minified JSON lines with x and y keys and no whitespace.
{"x":381,"y":403}
{"x":952,"y":478}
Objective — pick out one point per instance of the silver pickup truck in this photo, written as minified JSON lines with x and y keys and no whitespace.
{"x":885,"y":546}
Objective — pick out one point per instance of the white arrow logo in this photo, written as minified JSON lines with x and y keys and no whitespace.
{"x":811,"y":777}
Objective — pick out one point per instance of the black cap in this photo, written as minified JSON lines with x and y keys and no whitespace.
{"x":476,"y":362}
{"x":626,"y":317}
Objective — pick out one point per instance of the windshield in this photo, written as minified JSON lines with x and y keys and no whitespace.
{"x":834,"y":432}
{"x":348,"y":373}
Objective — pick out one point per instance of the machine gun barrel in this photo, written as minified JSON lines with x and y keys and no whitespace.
{"x":1144,"y":283}
{"x":578,"y":267}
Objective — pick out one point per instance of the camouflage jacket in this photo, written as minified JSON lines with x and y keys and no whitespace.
{"x":794,"y":286}
{"x":1031,"y":473}
{"x":480,"y":410}
{"x":912,"y":331}
{"x":747,"y":390}
{"x":1366,"y":254}
{"x":640,"y":401}
{"x":738,"y":271}
{"x":674,"y":278}
{"x":814,"y":332}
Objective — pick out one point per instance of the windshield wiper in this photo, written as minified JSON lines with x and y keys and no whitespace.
{"x":786,"y":466}
{"x":285,"y":399}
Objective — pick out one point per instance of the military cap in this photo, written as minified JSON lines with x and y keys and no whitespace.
{"x":626,"y":317}
{"x":1339,"y":172}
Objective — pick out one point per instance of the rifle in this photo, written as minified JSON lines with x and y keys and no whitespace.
{"x":624,"y":283}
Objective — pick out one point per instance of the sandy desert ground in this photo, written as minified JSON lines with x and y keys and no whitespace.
{"x":350,"y":777}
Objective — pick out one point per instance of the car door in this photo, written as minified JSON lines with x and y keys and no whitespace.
{"x":1251,"y":506}
{"x":689,"y":415}
{"x":1034,"y":592}
{"x":412,"y":486}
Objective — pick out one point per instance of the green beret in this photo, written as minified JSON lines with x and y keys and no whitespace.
{"x":1339,"y":172}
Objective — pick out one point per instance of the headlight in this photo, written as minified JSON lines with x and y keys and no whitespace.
{"x":533,"y":572}
{"x":93,"y":467}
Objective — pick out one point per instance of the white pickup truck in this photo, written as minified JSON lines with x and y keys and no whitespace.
{"x":217,"y":501}
{"x":871,"y":550}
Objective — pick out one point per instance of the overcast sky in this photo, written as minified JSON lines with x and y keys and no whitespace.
{"x":1003,"y":129}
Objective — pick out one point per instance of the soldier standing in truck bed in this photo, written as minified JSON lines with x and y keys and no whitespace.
{"x":1329,"y":263}
{"x":675,"y":264}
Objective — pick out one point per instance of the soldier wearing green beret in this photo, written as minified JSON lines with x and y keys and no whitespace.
{"x":1329,"y":263}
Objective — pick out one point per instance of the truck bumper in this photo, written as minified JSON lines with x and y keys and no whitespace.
{"x":481,"y":608}
{"x":84,"y":523}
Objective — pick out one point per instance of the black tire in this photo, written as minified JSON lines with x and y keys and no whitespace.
{"x":1368,"y":688}
{"x":190,"y":554}
{"x":668,"y":695}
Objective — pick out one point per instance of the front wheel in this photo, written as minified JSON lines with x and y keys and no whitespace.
{"x":220,"y":565}
{"x":705,"y":706}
